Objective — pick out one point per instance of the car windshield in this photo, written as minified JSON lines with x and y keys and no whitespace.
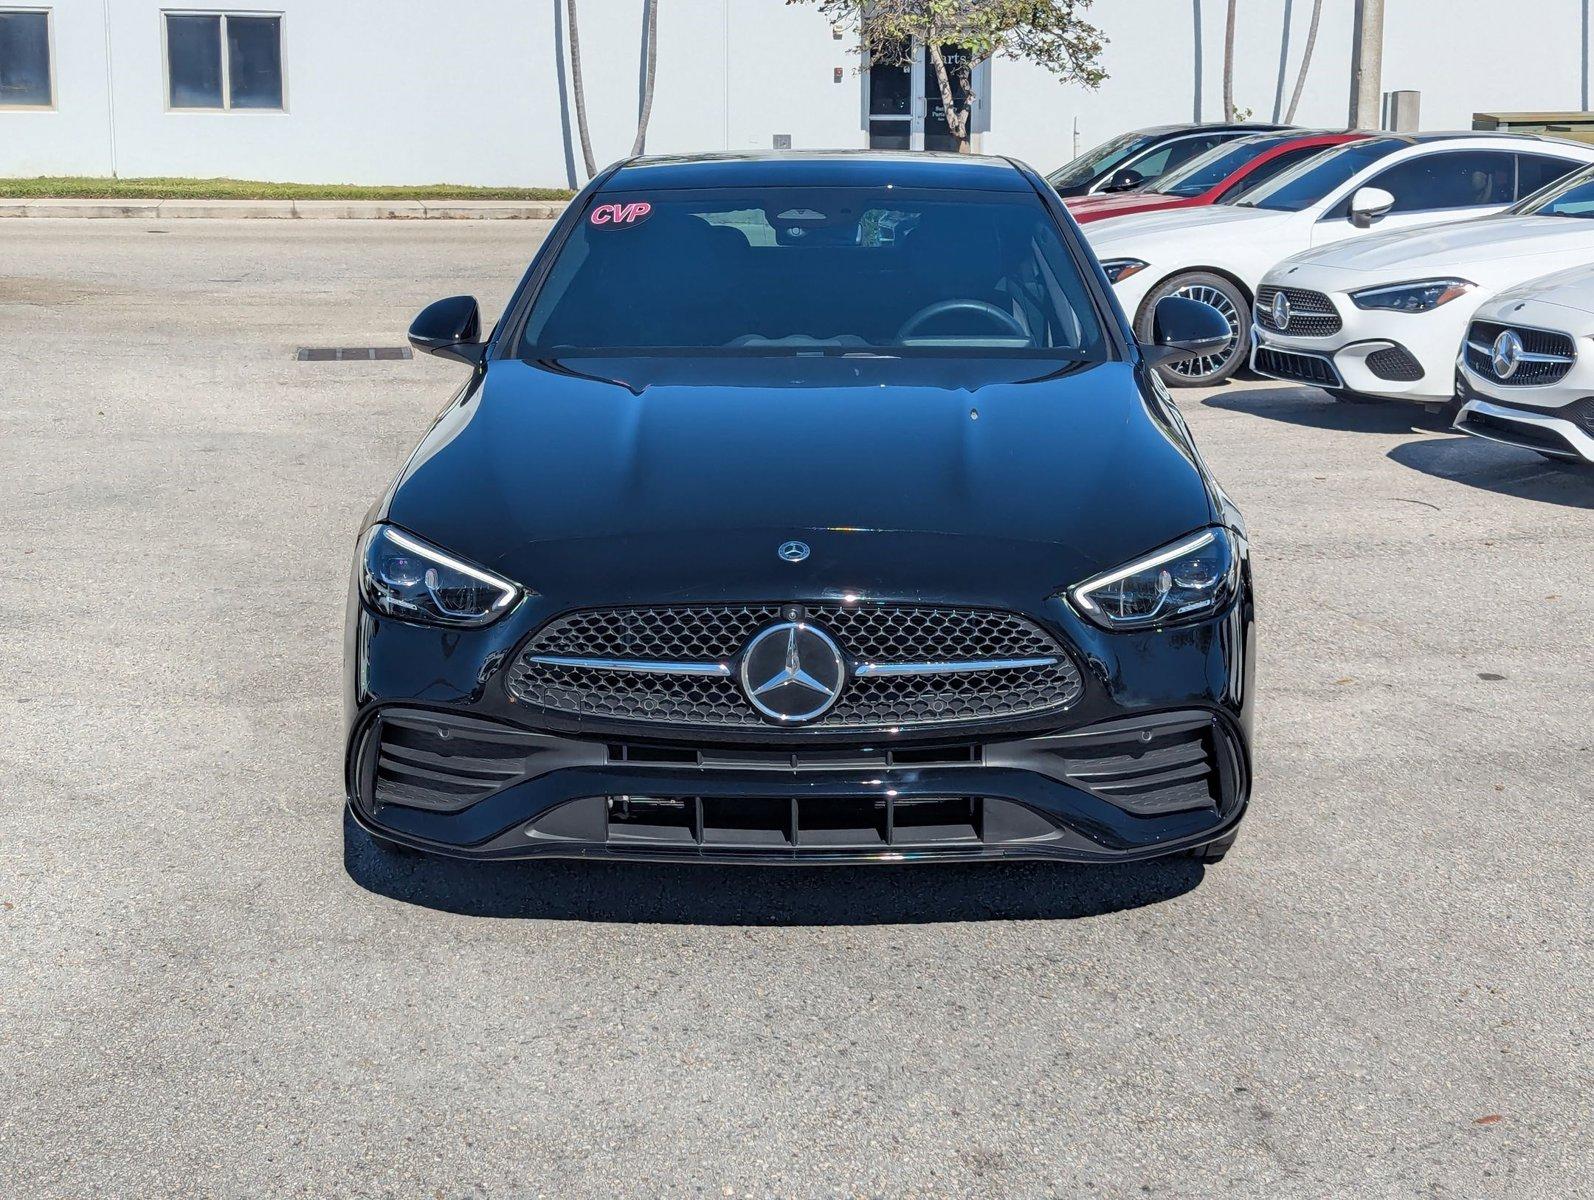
{"x":1318,"y":176}
{"x":1572,"y":196}
{"x":793,"y":270}
{"x":1098,"y":161}
{"x":1206,"y":171}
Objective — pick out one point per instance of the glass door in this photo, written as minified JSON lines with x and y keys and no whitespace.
{"x":896,"y":120}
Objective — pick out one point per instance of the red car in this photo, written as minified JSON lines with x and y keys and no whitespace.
{"x":1216,"y":177}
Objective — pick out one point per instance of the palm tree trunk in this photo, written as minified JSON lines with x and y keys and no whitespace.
{"x":1228,"y":65}
{"x":1306,"y":61}
{"x":650,"y":25}
{"x":581,"y":95}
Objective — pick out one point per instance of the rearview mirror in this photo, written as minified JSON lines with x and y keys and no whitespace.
{"x":1124,"y":181}
{"x":1369,"y":204}
{"x":450,"y":329}
{"x":1182,"y":329}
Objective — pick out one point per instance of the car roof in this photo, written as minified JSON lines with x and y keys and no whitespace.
{"x":1206,"y":127}
{"x":820,"y":168}
{"x":1470,"y":135}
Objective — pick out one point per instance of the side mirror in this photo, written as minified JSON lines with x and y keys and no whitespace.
{"x":1124,"y":181}
{"x":1369,"y":204}
{"x":1182,"y":329}
{"x":450,"y":329}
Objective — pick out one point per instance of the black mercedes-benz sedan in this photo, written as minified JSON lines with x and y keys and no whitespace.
{"x":805,"y":508}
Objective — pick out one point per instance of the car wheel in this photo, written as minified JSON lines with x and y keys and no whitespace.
{"x":1222,"y":295}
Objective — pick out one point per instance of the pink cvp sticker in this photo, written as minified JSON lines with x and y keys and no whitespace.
{"x":621,"y":214}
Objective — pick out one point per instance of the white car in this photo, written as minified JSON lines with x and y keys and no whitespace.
{"x":1382,"y":316}
{"x":1526,"y":372}
{"x":1219,"y":254}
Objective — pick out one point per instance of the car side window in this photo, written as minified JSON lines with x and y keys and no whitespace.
{"x":1262,"y":172}
{"x":1535,"y":171}
{"x":1164,"y":158}
{"x":1450,"y":179}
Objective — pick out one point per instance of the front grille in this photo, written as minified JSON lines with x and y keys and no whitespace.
{"x":712,"y":635}
{"x":1558,"y":352}
{"x":1312,"y":314}
{"x":1297,"y":368}
{"x":1396,"y":364}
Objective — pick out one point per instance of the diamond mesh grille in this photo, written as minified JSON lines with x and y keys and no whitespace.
{"x":1312,"y":314}
{"x":873,"y":634}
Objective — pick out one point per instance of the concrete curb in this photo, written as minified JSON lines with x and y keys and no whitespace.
{"x":324,"y":210}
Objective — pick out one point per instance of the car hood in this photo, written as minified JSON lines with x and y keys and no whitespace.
{"x":669,"y":478}
{"x":1180,"y":226}
{"x":1097,"y":208}
{"x":1455,"y":248}
{"x":1571,"y":288}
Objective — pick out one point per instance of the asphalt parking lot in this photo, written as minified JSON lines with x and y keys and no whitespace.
{"x":1383,"y":992}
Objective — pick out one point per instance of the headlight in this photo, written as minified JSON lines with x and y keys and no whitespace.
{"x":1119,"y":269}
{"x":1186,"y":581}
{"x":402,"y":576}
{"x":1421,"y":296}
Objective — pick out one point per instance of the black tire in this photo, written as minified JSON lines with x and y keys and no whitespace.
{"x":1224,"y":295}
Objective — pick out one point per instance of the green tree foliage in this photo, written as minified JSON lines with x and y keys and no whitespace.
{"x":1050,"y":33}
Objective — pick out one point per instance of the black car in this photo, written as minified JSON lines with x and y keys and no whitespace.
{"x":806,"y":508}
{"x":1132,"y":160}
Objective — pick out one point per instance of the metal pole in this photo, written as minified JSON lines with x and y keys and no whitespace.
{"x":1367,"y":65}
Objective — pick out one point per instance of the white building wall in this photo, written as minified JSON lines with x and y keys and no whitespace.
{"x":418,"y":91}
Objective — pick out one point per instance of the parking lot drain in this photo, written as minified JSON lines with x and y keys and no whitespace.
{"x":351,"y":353}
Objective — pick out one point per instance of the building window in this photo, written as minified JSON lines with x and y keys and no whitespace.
{"x":223,"y":60}
{"x":25,"y":59}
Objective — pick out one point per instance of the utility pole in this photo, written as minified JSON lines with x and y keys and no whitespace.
{"x":1367,"y":66}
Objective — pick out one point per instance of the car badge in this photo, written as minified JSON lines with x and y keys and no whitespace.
{"x":1281,"y":311}
{"x":1506,"y":356}
{"x":792,"y":672}
{"x":793,"y":552}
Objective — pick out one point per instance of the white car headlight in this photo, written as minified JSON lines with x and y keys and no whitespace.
{"x":1186,"y":581}
{"x":402,"y":576}
{"x":1422,"y":295}
{"x":1119,"y":269}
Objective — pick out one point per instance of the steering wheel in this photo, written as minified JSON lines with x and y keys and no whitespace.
{"x":1007,"y":320}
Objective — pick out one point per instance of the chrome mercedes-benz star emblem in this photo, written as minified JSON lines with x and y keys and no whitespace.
{"x":792,"y":672}
{"x":1281,"y":311}
{"x":793,"y":551}
{"x":1506,"y":356}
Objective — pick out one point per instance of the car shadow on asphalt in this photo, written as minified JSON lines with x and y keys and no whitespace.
{"x":1315,"y":409}
{"x":1505,"y":470}
{"x":642,"y":893}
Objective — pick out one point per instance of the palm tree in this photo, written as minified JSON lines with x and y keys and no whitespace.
{"x":650,"y":34}
{"x":1228,"y":65}
{"x":1306,"y":61}
{"x":581,"y":95}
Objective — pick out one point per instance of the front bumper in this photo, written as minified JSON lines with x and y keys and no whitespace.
{"x":1561,"y":430}
{"x":1152,"y":759}
{"x":1398,"y":356}
{"x":1077,"y":796}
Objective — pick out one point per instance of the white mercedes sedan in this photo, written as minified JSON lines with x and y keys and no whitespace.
{"x":1382,"y":317}
{"x":1527,"y":374}
{"x":1219,"y":254}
